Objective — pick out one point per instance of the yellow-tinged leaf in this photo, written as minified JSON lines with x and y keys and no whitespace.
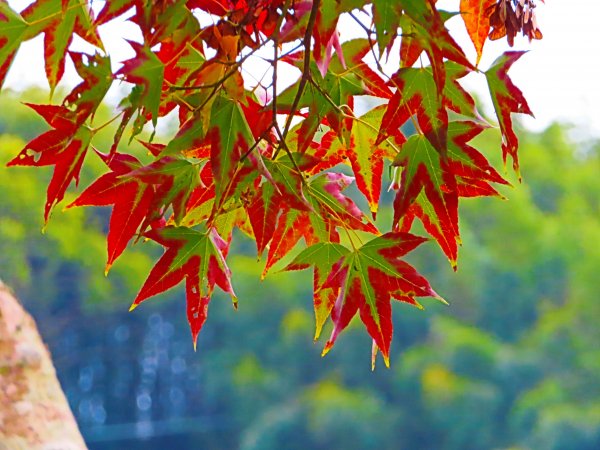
{"x":475,"y":14}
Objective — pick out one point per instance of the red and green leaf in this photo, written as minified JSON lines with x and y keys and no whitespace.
{"x":230,"y":138}
{"x":507,"y":99}
{"x":386,"y":18}
{"x":428,"y":183}
{"x":130,"y":196}
{"x":427,"y":32}
{"x":195,"y":256}
{"x":63,"y":147}
{"x":13,"y":31}
{"x":145,"y":70}
{"x":263,"y":210}
{"x":367,"y":156}
{"x":472,"y":170}
{"x":367,"y":279}
{"x":417,"y":94}
{"x":322,"y":256}
{"x":174,"y":179}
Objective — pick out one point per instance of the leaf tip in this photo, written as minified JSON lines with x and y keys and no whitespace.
{"x":318,"y":330}
{"x":386,"y":360}
{"x":374,"y":350}
{"x":234,"y":302}
{"x":133,"y":306}
{"x":441,"y":300}
{"x":107,"y":269}
{"x":327,"y":348}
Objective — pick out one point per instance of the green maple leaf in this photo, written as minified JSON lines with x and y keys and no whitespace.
{"x":13,"y":31}
{"x":230,"y":138}
{"x":386,"y":17}
{"x":58,"y":20}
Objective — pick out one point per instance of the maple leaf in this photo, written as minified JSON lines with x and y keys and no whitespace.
{"x":96,"y":73}
{"x":325,"y":98}
{"x":472,"y":170}
{"x":330,"y":209}
{"x":114,"y":9}
{"x":417,"y":94}
{"x":13,"y":31}
{"x":175,"y":179}
{"x":322,"y":256}
{"x":428,"y":33}
{"x":507,"y":99}
{"x":195,"y":256}
{"x":287,"y":176}
{"x":263,"y":210}
{"x":230,"y":139}
{"x":58,"y":20}
{"x":190,"y":139}
{"x":425,"y":169}
{"x":131,"y":199}
{"x":386,"y":18}
{"x":431,"y":184}
{"x":366,"y":280}
{"x":145,"y":70}
{"x":455,"y":98}
{"x":63,"y":147}
{"x":325,"y":195}
{"x":291,"y":226}
{"x":366,"y":156}
{"x":475,"y":14}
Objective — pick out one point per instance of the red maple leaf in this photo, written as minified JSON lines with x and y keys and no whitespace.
{"x":63,"y":147}
{"x":130,"y":196}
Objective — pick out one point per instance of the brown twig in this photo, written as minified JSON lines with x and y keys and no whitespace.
{"x":306,"y":69}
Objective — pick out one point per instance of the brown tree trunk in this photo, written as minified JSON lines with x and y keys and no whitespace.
{"x":34,"y":413}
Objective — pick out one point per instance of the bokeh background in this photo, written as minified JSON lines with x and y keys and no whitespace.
{"x":513,"y":363}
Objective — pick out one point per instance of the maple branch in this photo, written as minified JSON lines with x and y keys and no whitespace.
{"x":237,"y":65}
{"x":371,"y":45}
{"x":306,"y":69}
{"x":104,"y":125}
{"x":253,"y":146}
{"x":283,"y":144}
{"x":341,"y":111}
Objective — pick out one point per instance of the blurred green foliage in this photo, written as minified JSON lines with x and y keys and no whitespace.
{"x":514,"y":363}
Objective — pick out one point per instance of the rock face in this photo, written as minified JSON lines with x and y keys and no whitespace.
{"x":34,"y":413}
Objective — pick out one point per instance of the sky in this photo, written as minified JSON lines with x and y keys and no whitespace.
{"x":559,"y":75}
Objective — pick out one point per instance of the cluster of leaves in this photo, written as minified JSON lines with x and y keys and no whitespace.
{"x":270,"y":161}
